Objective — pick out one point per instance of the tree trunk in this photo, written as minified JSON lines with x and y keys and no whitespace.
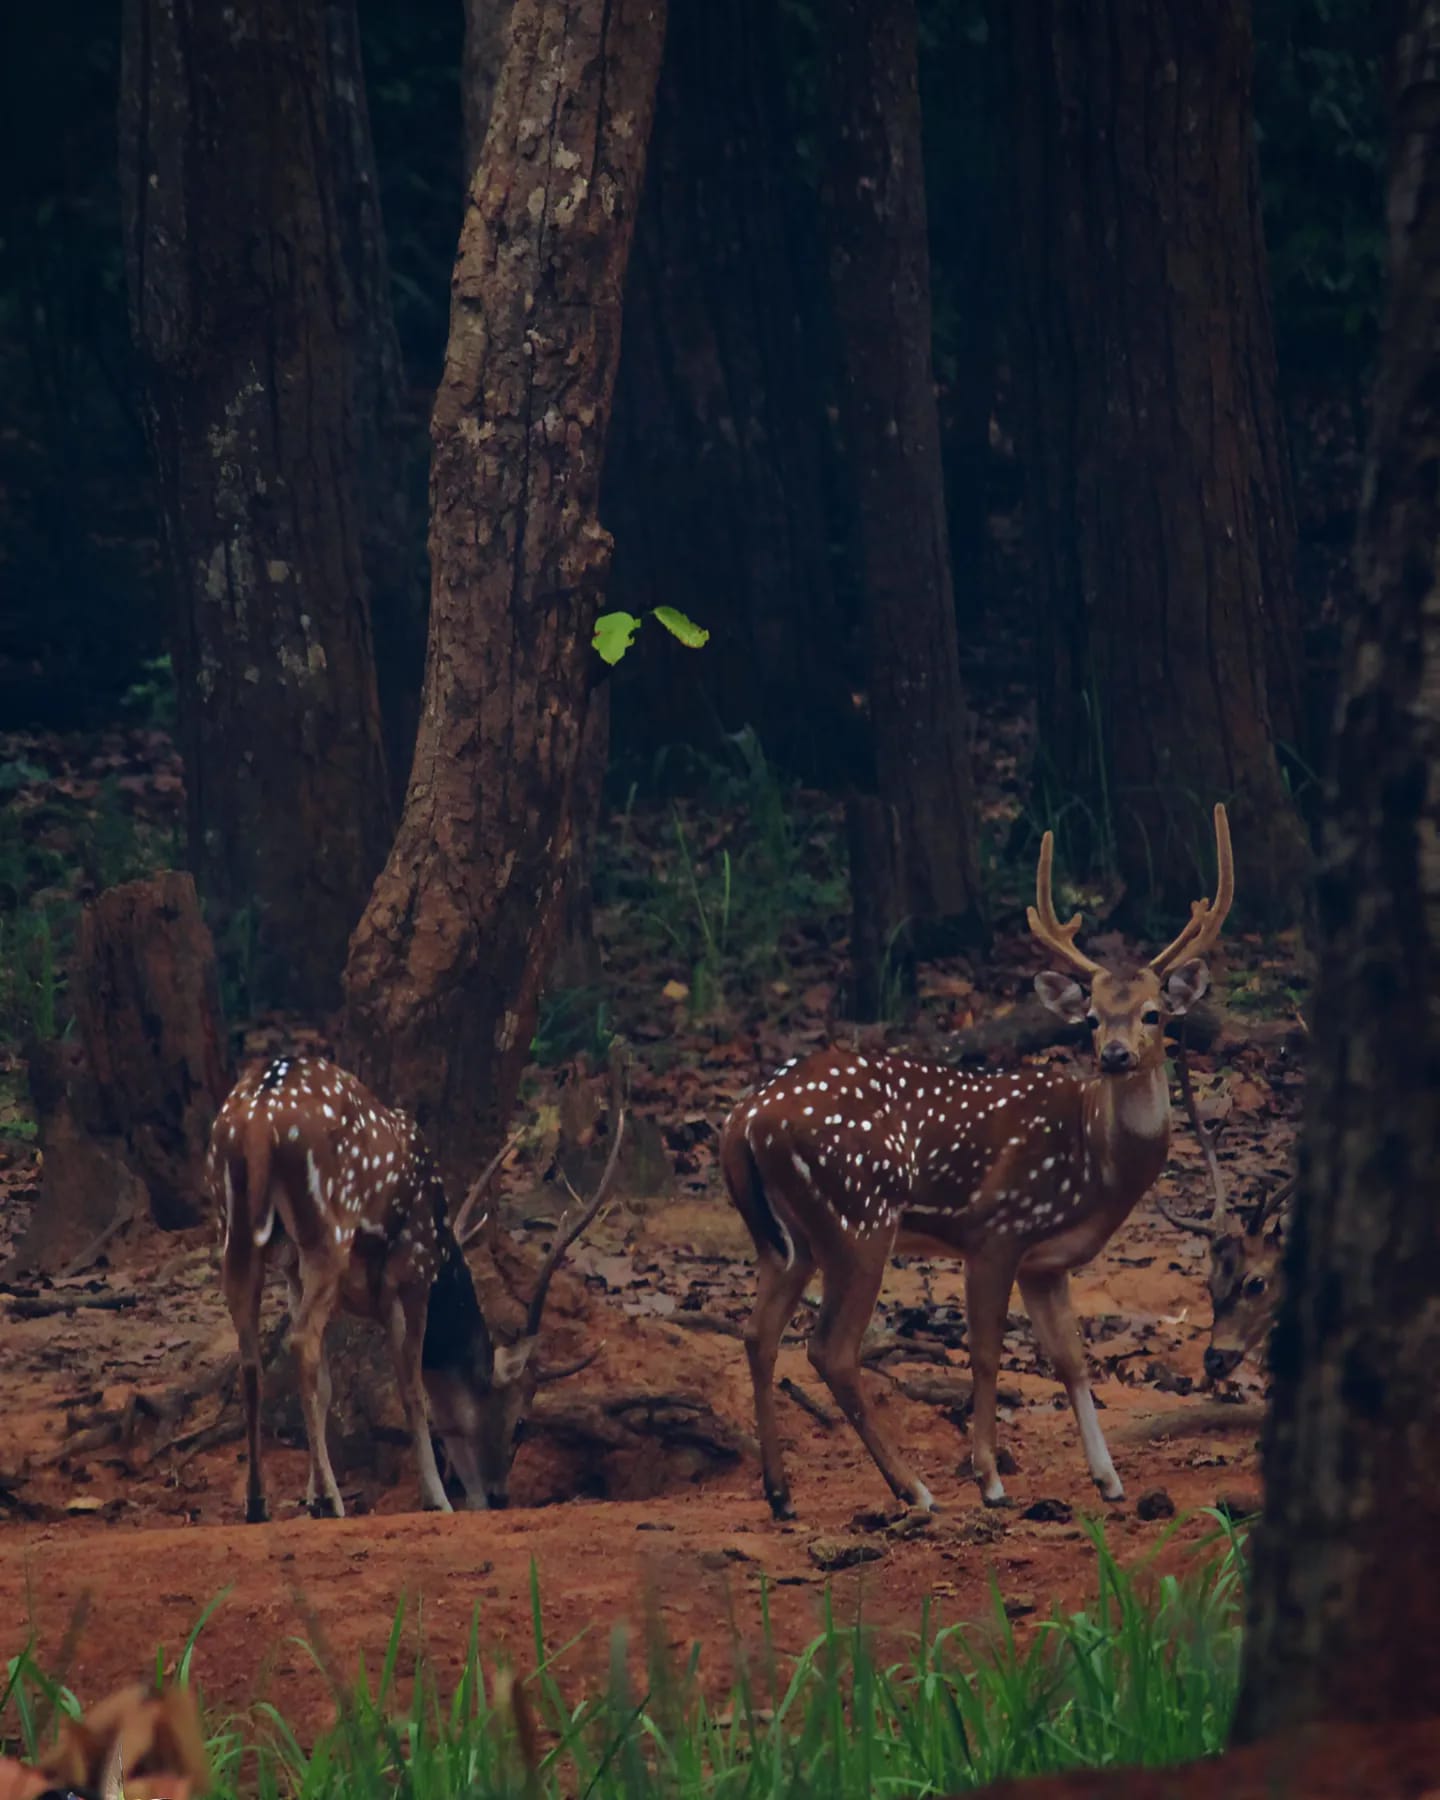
{"x":1158,"y":511}
{"x":714,"y":483}
{"x":390,"y":440}
{"x":880,"y":270}
{"x":487,"y":35}
{"x":254,"y":275}
{"x":446,"y":963}
{"x":1346,"y":1584}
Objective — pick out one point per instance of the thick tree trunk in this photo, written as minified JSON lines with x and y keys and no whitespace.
{"x":1346,"y":1584}
{"x":487,"y":35}
{"x":880,"y":272}
{"x":389,"y":428}
{"x":254,"y":272}
{"x":714,"y":485}
{"x":446,"y":964}
{"x":1158,"y":511}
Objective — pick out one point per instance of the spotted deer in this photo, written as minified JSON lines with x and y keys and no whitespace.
{"x":841,"y":1160}
{"x":309,"y":1169}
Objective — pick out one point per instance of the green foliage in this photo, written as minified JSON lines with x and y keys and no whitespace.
{"x":150,"y":700}
{"x":573,"y":1022}
{"x":1148,"y":1676}
{"x":742,"y":864}
{"x":55,"y":851}
{"x":615,"y":631}
{"x":29,"y":984}
{"x":1320,"y":116}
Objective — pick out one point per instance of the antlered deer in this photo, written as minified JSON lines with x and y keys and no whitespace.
{"x":310,"y":1168}
{"x":1245,"y":1248}
{"x":841,"y":1160}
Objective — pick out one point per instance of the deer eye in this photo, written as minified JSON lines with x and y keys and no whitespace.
{"x":1255,"y":1286}
{"x":1150,"y":1016}
{"x":1092,"y":1021}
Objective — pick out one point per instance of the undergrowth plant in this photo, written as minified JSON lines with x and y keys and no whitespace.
{"x":1147,"y":1675}
{"x":741,"y":863}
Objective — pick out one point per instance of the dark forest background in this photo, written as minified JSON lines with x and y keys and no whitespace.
{"x":85,"y":621}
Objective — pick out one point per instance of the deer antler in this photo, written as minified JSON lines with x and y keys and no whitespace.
{"x":464,"y":1232}
{"x":1206,"y":916}
{"x":1270,"y":1205}
{"x":1221,"y":1210}
{"x":1041,"y":916}
{"x":568,"y":1233}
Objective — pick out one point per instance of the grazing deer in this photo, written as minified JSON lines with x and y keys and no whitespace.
{"x":311,"y":1169}
{"x":841,"y":1160}
{"x":1245,"y":1259}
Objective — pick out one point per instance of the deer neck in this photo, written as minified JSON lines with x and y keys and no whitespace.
{"x":1127,"y":1129}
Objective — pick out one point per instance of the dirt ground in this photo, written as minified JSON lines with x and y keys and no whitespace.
{"x":142,"y":1528}
{"x":149,"y":1540}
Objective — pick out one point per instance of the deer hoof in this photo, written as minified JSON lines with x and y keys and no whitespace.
{"x":781,"y":1505}
{"x":257,"y":1512}
{"x":997,"y":1502}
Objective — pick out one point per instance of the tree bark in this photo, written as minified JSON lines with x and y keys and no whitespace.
{"x":487,"y":33}
{"x":714,"y":482}
{"x":1346,"y":1585}
{"x":389,"y":428}
{"x":880,"y":270}
{"x":255,"y":273}
{"x":1158,"y":513}
{"x":446,"y":964}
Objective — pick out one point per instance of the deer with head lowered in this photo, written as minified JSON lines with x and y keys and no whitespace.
{"x":309,"y":1170}
{"x":841,"y":1160}
{"x":1246,"y":1248}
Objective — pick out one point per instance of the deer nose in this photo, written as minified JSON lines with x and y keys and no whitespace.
{"x":1219,"y":1363}
{"x":1116,"y":1057}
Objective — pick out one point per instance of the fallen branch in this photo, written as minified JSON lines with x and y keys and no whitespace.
{"x":808,"y":1403}
{"x":120,"y":1425}
{"x":49,"y":1309}
{"x":77,"y":1265}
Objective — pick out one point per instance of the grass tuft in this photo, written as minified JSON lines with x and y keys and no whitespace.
{"x":1148,"y":1675}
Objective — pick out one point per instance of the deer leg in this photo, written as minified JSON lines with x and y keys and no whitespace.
{"x":307,"y":1336}
{"x":845,"y":1310}
{"x":988,"y":1281}
{"x":778,"y":1294}
{"x":297,"y":1295}
{"x":242,"y":1294}
{"x":1047,"y":1300}
{"x":407,"y":1341}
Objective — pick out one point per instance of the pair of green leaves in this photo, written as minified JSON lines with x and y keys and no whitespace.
{"x":615,"y":631}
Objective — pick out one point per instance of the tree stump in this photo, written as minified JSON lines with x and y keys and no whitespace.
{"x":125,"y":1113}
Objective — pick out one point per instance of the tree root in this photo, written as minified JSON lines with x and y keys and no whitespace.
{"x":629,"y":1418}
{"x":123,"y":1426}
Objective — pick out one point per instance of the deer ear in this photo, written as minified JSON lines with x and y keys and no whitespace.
{"x":510,"y":1361}
{"x":1185,"y":986}
{"x":1062,"y":995}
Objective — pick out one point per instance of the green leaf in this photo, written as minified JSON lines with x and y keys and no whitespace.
{"x":694,"y":636}
{"x":614,"y":634}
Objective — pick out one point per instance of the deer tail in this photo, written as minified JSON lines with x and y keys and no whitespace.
{"x":747,"y":1193}
{"x":259,"y":1201}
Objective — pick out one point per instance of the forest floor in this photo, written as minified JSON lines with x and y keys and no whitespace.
{"x":721,"y":927}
